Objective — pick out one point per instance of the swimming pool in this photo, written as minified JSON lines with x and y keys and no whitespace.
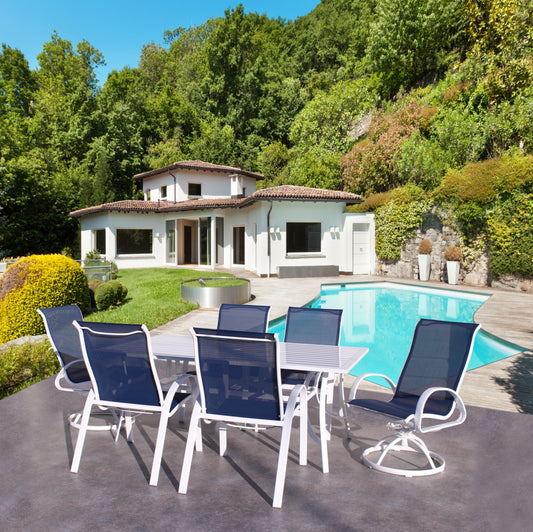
{"x":383,"y":316}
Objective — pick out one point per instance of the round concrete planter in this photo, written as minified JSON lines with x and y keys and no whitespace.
{"x":214,"y":296}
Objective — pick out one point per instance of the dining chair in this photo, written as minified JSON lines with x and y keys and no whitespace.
{"x":65,"y":341}
{"x":307,"y":325}
{"x":229,"y":395}
{"x":234,"y":317}
{"x":424,"y":399}
{"x":121,"y":366}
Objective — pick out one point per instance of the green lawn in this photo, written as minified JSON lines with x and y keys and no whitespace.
{"x":154,"y":296}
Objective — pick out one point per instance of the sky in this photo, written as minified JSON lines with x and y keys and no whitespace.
{"x":119,"y":28}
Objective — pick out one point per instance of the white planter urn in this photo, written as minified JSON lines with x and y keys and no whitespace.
{"x":452,"y":266}
{"x":424,"y":267}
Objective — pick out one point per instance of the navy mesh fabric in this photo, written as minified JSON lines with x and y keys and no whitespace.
{"x":251,"y":318}
{"x":120,"y":364}
{"x":238,"y":374}
{"x":65,"y":338}
{"x":313,"y":325}
{"x":310,"y":326}
{"x":437,"y":358}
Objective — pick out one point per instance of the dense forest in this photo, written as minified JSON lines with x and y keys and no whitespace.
{"x":412,"y":103}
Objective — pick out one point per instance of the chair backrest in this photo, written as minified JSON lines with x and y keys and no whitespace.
{"x":238,"y":375}
{"x":62,"y":335}
{"x":120,"y":363}
{"x":251,"y":318}
{"x":439,"y":356}
{"x":313,"y":325}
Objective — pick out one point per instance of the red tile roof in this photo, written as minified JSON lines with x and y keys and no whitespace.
{"x":198,"y":165}
{"x":287,"y":192}
{"x":281,"y":193}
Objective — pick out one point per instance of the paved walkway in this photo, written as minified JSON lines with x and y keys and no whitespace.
{"x":504,"y":385}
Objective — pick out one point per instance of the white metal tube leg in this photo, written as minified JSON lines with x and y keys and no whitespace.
{"x":82,"y":432}
{"x":189,"y":448}
{"x":303,"y":428}
{"x":322,"y":422}
{"x":158,"y":453}
{"x":282,"y":465}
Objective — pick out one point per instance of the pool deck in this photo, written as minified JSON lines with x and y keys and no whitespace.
{"x":487,"y":483}
{"x":503,"y":385}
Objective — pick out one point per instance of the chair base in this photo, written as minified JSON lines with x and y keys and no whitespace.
{"x":401,"y":443}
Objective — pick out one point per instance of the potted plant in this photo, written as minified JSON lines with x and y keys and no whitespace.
{"x":424,"y":259}
{"x":453,"y":255}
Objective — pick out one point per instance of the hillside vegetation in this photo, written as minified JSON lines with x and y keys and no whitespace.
{"x":432,"y":99}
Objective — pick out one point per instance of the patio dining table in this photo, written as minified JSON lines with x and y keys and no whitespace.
{"x":329,"y":360}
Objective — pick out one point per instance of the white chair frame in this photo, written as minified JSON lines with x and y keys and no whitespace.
{"x":297,"y":400}
{"x":128,"y":411}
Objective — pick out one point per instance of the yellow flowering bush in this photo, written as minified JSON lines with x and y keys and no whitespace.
{"x":38,"y":281}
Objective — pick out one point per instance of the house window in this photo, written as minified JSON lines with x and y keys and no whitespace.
{"x":171,"y":241}
{"x":147,"y":194}
{"x":238,"y":245}
{"x":163,"y":192}
{"x":303,"y":237}
{"x":99,"y":241}
{"x":205,"y":241}
{"x":134,"y":241}
{"x":195,"y":189}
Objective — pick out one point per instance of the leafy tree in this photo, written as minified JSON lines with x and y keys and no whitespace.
{"x":411,"y":41}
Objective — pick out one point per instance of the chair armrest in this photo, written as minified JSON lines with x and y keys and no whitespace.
{"x":420,"y":416}
{"x":73,"y":387}
{"x":364,"y":376}
{"x":195,"y":392}
{"x":292,"y":402}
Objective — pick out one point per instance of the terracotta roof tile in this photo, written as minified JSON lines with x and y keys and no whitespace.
{"x":198,"y":165}
{"x":285,"y":192}
{"x":281,"y":193}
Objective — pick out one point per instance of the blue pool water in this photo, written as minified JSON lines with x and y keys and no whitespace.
{"x":383,"y":316}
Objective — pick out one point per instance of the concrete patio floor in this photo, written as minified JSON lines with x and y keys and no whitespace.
{"x":486,"y":486}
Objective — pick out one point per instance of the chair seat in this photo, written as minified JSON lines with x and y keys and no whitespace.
{"x":292,"y":377}
{"x":402,"y":407}
{"x":178,"y":398}
{"x":77,"y":372}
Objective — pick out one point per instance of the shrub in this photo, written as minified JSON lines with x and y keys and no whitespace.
{"x":370,"y":166}
{"x":38,"y":281}
{"x":109,"y":294}
{"x":93,"y":285}
{"x":104,"y":296}
{"x":425,"y":247}
{"x":510,"y":236}
{"x":453,"y":253}
{"x":117,"y":289}
{"x":395,"y":224}
{"x":23,"y":365}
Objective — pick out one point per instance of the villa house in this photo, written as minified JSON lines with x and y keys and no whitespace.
{"x":206,"y":215}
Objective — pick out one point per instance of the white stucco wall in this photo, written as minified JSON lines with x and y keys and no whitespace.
{"x":113,"y":220}
{"x":214,"y":185}
{"x":336,"y":235}
{"x":327,"y":214}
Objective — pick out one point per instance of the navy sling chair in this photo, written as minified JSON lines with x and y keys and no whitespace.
{"x":240,"y":383}
{"x":65,"y":341}
{"x":121,"y":366}
{"x":425,"y":399}
{"x":251,"y":318}
{"x":306,"y":325}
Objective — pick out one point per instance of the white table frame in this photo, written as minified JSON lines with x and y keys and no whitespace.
{"x":330,"y":360}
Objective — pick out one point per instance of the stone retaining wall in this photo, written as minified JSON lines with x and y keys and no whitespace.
{"x":474,"y":271}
